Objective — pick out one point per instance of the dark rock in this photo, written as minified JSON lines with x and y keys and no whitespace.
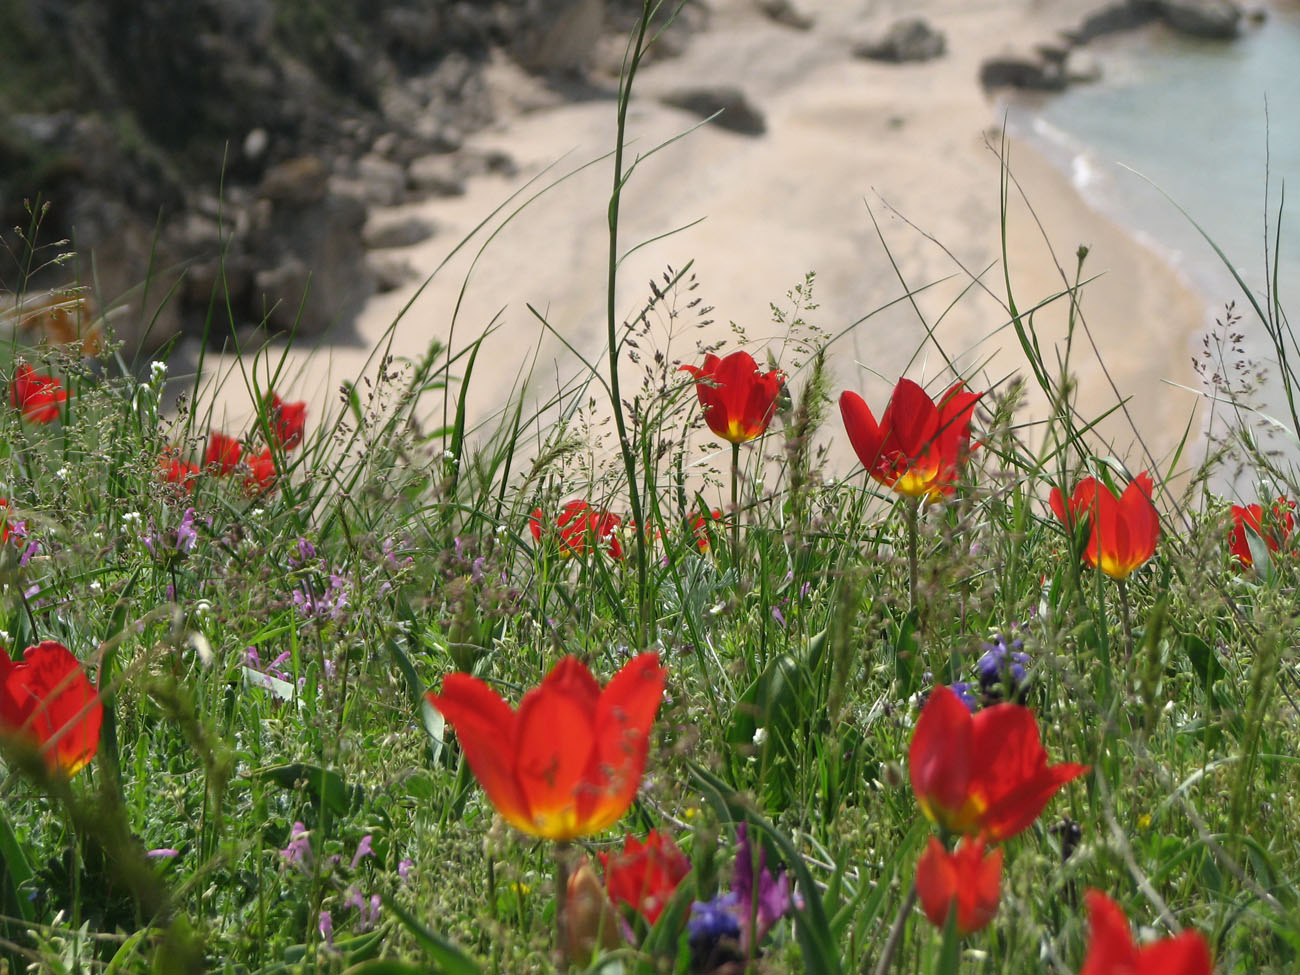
{"x":910,"y":39}
{"x":564,"y":38}
{"x":435,"y":175}
{"x":390,"y":272}
{"x":296,"y":182}
{"x":738,"y":115}
{"x":785,"y":13}
{"x":1120,"y":16}
{"x":383,"y":181}
{"x":1202,"y":18}
{"x":403,"y":232}
{"x":1030,"y":73}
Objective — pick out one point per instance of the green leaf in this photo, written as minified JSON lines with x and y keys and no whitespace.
{"x":436,"y":726}
{"x":389,"y":966}
{"x":17,"y":871}
{"x":324,"y":787}
{"x":451,"y":959}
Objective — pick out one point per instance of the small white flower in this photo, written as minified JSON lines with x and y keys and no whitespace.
{"x":448,"y":456}
{"x":157,"y":372}
{"x":257,"y":512}
{"x":131,"y":517}
{"x":62,"y":473}
{"x":96,"y":587}
{"x":4,"y":637}
{"x":202,"y":608}
{"x":760,"y":736}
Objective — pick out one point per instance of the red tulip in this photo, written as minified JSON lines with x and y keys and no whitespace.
{"x":1122,"y":532}
{"x":703,"y":528}
{"x":223,"y":453}
{"x":48,"y":699}
{"x":569,"y":761}
{"x":969,"y":878}
{"x":173,"y":470}
{"x":261,"y":473}
{"x":287,"y":421}
{"x":577,"y":524}
{"x":918,"y":447}
{"x":36,"y":394}
{"x":738,"y":400}
{"x":1273,"y":534}
{"x":1111,"y":950}
{"x":984,"y":772}
{"x":5,"y":523}
{"x":645,"y":875}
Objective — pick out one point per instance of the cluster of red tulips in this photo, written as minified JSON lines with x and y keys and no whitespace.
{"x":37,"y":396}
{"x":224,"y":455}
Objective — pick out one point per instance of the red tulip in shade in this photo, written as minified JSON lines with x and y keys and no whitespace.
{"x":287,"y":421}
{"x":223,"y":453}
{"x":1111,"y":950}
{"x":569,"y":761}
{"x":36,"y":394}
{"x":261,"y":473}
{"x":982,"y":773}
{"x":1273,"y":534}
{"x":738,"y":400}
{"x":1122,"y":531}
{"x":645,"y":875}
{"x":918,"y":446}
{"x":969,"y":877}
{"x":577,"y":525}
{"x":173,"y":470}
{"x":47,"y":698}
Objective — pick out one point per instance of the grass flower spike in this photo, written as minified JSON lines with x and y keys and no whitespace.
{"x":968,"y":878}
{"x":1122,"y":531}
{"x":569,"y":761}
{"x":982,"y":773}
{"x":738,"y":400}
{"x":36,"y":394}
{"x":1111,"y":950}
{"x":47,"y":698}
{"x":918,"y":446}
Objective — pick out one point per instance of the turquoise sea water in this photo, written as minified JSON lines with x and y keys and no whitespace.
{"x":1215,"y":125}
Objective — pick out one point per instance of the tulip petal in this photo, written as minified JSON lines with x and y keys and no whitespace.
{"x":1110,"y":946}
{"x":864,"y":432}
{"x":553,"y":745}
{"x":485,"y":727}
{"x":939,"y":758}
{"x":624,"y":717}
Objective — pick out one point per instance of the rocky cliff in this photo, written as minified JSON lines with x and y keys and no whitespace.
{"x":212,"y":161}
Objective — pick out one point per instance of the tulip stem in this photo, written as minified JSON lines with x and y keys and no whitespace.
{"x":735,"y":505}
{"x":911,"y":507}
{"x":1124,"y":616}
{"x":896,"y":932}
{"x":562,"y":903}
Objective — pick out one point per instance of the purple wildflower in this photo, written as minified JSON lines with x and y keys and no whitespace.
{"x":364,"y":849}
{"x":163,"y":853}
{"x":964,"y":694}
{"x":298,"y":852}
{"x":1002,"y":665}
{"x":404,"y":868}
{"x":326,"y":926}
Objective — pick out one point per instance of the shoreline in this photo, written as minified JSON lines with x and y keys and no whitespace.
{"x":844,"y":135}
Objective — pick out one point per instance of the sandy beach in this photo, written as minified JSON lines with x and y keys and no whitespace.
{"x":913,"y":144}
